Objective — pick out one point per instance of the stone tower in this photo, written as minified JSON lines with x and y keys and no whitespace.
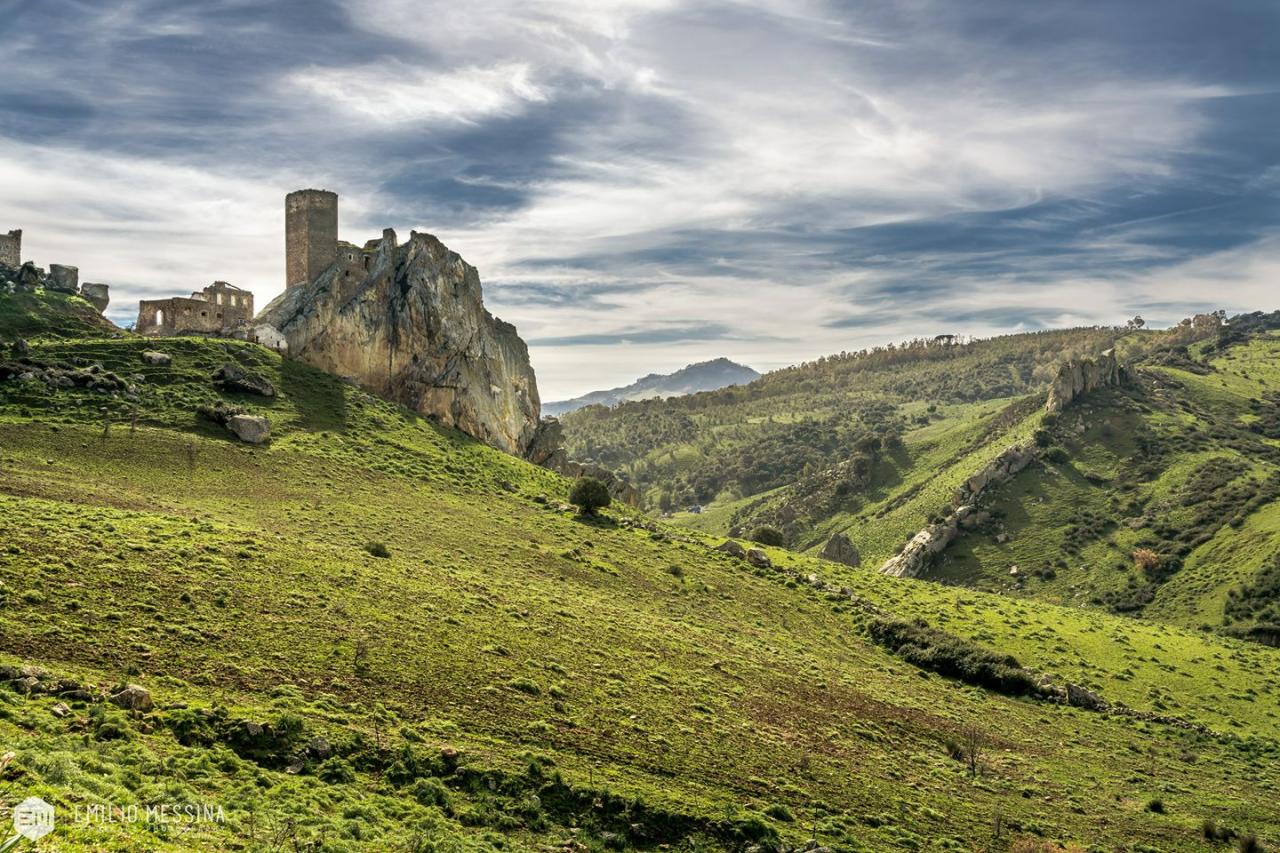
{"x":310,"y":234}
{"x":11,"y":249}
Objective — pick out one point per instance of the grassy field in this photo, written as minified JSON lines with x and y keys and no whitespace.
{"x":511,"y":675}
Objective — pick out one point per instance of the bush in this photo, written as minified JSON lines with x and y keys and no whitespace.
{"x":955,"y":657}
{"x":765,"y":535}
{"x":1056,"y":455}
{"x":377,"y":549}
{"x":589,"y":495}
{"x":1156,"y":805}
{"x":336,"y":771}
{"x":779,"y":812}
{"x":1146,"y":560}
{"x":1249,"y":844}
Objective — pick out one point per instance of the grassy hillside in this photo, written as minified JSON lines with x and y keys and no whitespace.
{"x":51,"y":314}
{"x":1181,"y":464}
{"x":512,"y":676}
{"x":821,"y":439}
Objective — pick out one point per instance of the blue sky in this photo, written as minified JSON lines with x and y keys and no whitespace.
{"x":646,"y":183}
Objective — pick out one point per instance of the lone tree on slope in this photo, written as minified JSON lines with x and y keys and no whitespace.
{"x":589,"y":495}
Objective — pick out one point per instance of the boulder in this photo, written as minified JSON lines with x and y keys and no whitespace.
{"x":839,"y":549}
{"x":133,"y":698}
{"x":97,"y":295}
{"x":413,"y":329}
{"x":1081,"y":697}
{"x":157,"y":359}
{"x":759,"y":559}
{"x":250,"y":428}
{"x":233,"y":377}
{"x":732,"y":548}
{"x":63,"y":279}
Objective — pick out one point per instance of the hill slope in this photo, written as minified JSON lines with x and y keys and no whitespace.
{"x":512,"y":675}
{"x":1158,"y":496}
{"x":703,"y":376}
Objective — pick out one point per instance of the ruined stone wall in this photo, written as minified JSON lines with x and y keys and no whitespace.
{"x":217,"y":309}
{"x":310,"y":234}
{"x":11,"y":249}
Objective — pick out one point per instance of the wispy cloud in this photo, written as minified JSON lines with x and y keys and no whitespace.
{"x":645,"y":183}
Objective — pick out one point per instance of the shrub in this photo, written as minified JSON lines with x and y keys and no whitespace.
{"x":336,"y":771}
{"x":780,"y":812}
{"x":765,"y":535}
{"x":1056,"y":455}
{"x":1146,"y":560}
{"x":430,"y":792}
{"x":377,"y":549}
{"x":589,"y":495}
{"x":1156,"y":805}
{"x":955,"y":657}
{"x":1249,"y":844}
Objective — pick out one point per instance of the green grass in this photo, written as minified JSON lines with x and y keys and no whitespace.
{"x":606,"y":685}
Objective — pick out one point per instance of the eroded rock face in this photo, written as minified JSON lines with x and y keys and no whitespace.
{"x":840,"y":550}
{"x":917,"y":555}
{"x":413,"y":329}
{"x":1080,"y":376}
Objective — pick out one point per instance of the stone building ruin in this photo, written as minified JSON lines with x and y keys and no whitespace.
{"x":11,"y":249}
{"x":216,"y":310}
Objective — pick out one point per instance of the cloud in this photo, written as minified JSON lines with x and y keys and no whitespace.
{"x":647,"y":183}
{"x":393,"y":93}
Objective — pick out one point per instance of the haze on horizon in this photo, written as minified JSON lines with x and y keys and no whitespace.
{"x":644,"y":184}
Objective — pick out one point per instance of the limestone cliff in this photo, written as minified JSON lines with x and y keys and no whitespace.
{"x":412,"y":328}
{"x":914,"y":559}
{"x":1080,"y":376}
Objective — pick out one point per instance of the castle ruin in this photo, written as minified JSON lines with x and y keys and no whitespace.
{"x":310,"y":234}
{"x":11,"y":249}
{"x":216,"y":310}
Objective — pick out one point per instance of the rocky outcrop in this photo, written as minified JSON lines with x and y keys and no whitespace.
{"x":96,"y":294}
{"x":840,"y":550}
{"x":63,"y":279}
{"x":1080,"y":376}
{"x":918,"y":554}
{"x":412,"y":328}
{"x":233,"y":377}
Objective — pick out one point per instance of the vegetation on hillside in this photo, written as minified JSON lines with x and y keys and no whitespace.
{"x":501,"y":672}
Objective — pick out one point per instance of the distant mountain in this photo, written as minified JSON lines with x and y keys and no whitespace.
{"x":703,"y":376}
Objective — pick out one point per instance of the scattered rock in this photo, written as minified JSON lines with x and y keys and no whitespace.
{"x":759,"y":559}
{"x":250,"y":428}
{"x":732,"y":548}
{"x":157,"y":359}
{"x":133,"y":698}
{"x":839,"y":549}
{"x":319,"y":748}
{"x":1081,"y":697}
{"x":60,"y":710}
{"x":97,"y":295}
{"x":63,"y":279}
{"x":233,"y":377}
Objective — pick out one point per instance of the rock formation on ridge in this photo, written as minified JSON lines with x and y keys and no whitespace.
{"x":406,"y":322}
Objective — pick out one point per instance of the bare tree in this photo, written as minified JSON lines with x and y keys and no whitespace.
{"x":972,"y":746}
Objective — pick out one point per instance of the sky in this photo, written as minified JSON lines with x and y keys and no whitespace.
{"x":647,"y":183}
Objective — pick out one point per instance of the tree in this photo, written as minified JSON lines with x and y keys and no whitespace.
{"x":589,"y":495}
{"x":971,"y":749}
